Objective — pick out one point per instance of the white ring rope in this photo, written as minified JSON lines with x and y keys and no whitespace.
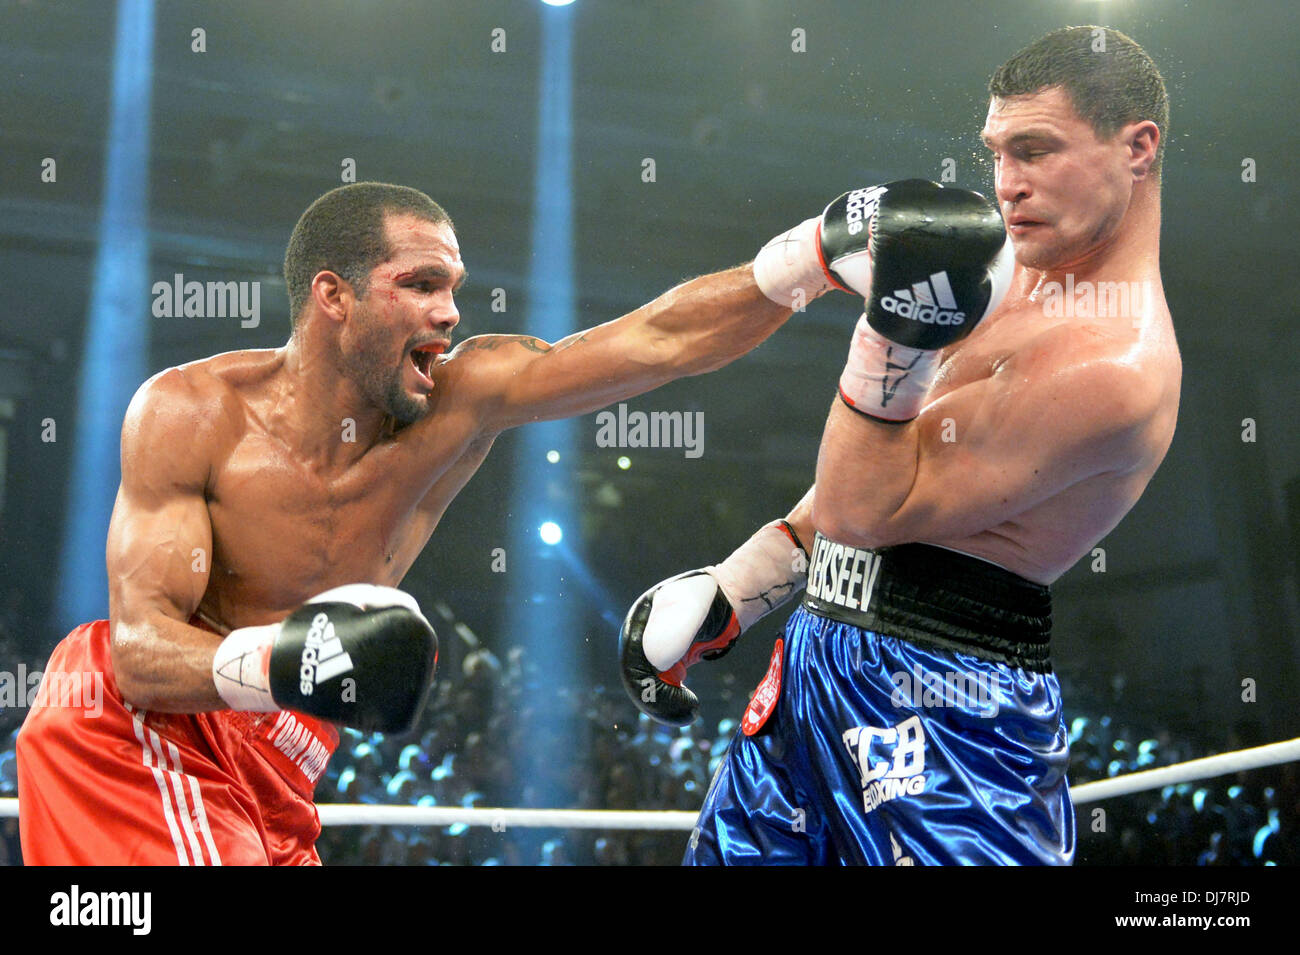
{"x":360,"y":814}
{"x":352,"y":814}
{"x":1220,"y":765}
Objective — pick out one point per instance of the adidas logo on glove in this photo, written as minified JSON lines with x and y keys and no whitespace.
{"x":323,"y":657}
{"x":929,"y":301}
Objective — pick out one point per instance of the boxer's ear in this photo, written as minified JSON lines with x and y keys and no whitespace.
{"x":332,"y":294}
{"x":1142,"y":141}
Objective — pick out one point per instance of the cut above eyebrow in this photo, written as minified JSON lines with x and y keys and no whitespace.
{"x":433,"y":271}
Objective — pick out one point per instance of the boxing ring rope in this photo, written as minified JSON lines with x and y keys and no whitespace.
{"x":338,"y":814}
{"x":1221,"y":765}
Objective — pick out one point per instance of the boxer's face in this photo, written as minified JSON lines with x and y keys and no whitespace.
{"x":409,"y":305}
{"x":1062,"y":191}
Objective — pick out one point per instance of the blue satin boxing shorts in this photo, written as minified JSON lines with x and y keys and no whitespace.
{"x":909,"y":717}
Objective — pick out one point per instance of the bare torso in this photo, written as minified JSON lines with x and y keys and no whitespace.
{"x":1048,"y":537}
{"x":255,"y":480}
{"x":285,"y":527}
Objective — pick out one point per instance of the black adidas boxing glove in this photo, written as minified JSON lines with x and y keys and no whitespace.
{"x":360,"y":655}
{"x":929,"y":268}
{"x":935,"y":263}
{"x":827,"y":251}
{"x":679,"y":622}
{"x":699,"y":615}
{"x":837,"y":249}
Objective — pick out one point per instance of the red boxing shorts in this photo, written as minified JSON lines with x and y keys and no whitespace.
{"x":101,"y":782}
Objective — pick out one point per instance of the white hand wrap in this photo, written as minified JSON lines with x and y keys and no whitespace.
{"x":241,"y":668}
{"x":789,"y":269}
{"x":762,"y":574}
{"x":886,"y":380}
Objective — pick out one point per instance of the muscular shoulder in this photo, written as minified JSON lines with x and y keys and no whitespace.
{"x":176,"y":420}
{"x":481,"y":367}
{"x":199,"y":396}
{"x":1092,"y":361}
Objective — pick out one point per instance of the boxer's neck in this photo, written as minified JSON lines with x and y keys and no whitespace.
{"x":318,"y":402}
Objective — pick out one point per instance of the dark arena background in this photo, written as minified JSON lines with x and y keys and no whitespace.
{"x":593,"y":156}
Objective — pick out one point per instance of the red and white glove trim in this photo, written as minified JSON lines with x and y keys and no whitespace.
{"x":760,"y":575}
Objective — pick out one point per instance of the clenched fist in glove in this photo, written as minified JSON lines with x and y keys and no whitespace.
{"x":700,"y":614}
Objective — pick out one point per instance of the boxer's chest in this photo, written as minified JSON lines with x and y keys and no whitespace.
{"x":282,"y":528}
{"x":988,"y":348}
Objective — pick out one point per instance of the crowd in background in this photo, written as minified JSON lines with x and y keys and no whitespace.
{"x":622,"y":760}
{"x":476,"y":747}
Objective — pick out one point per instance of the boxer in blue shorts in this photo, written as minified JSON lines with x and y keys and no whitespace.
{"x":986,"y":435}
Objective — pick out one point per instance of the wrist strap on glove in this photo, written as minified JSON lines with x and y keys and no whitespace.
{"x":789,"y":270}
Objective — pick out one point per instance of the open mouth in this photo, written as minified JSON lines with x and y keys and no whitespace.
{"x":423,"y":359}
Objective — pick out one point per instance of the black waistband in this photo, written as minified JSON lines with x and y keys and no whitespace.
{"x":930,"y":595}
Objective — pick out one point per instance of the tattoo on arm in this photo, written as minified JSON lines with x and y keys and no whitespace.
{"x":569,"y":343}
{"x":493,"y":342}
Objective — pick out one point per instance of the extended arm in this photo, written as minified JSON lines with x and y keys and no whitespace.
{"x":696,"y":327}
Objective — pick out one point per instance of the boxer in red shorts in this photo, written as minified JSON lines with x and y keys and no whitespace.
{"x":224,"y":787}
{"x":254,"y":479}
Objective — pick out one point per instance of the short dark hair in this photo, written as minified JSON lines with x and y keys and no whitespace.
{"x":1109,"y":87}
{"x":343,"y":232}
